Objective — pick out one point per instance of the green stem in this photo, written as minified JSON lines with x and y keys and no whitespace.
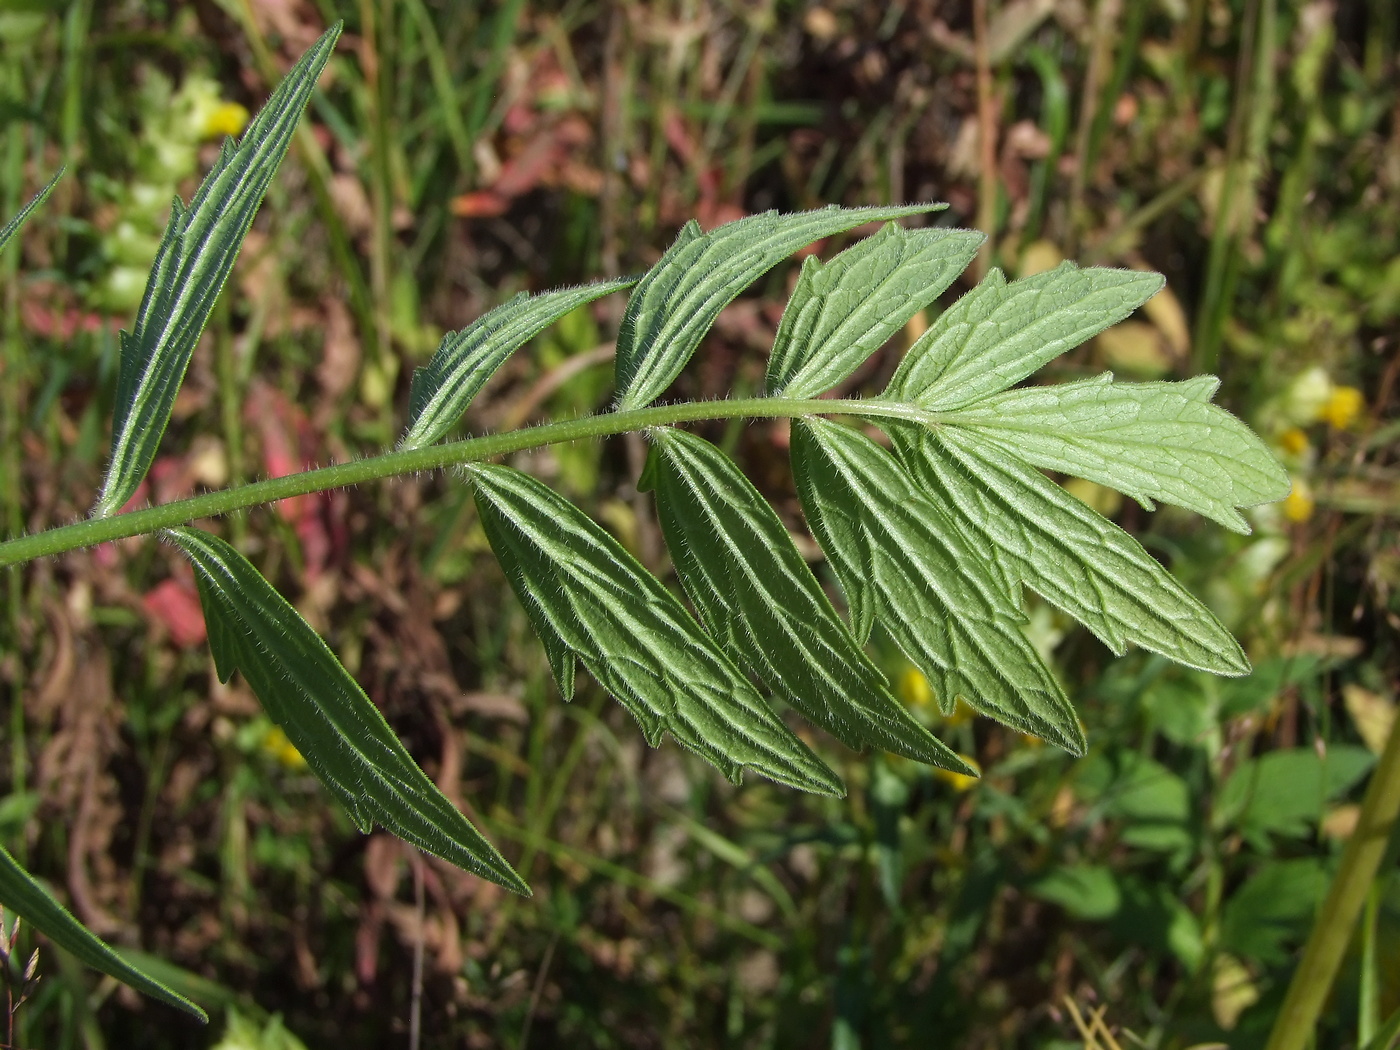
{"x":408,"y":461}
{"x":1331,"y":932}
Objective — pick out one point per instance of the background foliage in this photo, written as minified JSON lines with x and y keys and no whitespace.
{"x":460,"y":153}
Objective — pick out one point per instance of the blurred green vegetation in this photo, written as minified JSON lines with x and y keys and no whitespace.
{"x":1248,"y":149}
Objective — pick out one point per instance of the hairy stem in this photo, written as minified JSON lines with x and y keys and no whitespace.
{"x":408,"y":461}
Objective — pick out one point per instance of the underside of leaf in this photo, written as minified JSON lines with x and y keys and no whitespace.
{"x":761,"y":602}
{"x":1163,"y":441}
{"x":674,"y":305}
{"x":932,"y":591}
{"x":1041,"y":536}
{"x":444,"y":387}
{"x":193,"y":261}
{"x":999,"y":333}
{"x":324,"y":712}
{"x":588,"y":598}
{"x":23,"y":895}
{"x":843,"y":311}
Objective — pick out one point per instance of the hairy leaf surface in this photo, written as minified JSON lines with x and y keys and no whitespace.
{"x":674,"y":305}
{"x":760,"y":601}
{"x":23,"y":895}
{"x":902,"y":561}
{"x":1041,"y":536}
{"x":194,"y":259}
{"x":12,"y":227}
{"x":444,"y":387}
{"x":999,"y":333}
{"x":325,"y":713}
{"x":842,"y":312}
{"x":1150,"y":441}
{"x":588,"y":598}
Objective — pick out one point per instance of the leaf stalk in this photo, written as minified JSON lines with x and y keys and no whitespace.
{"x":92,"y":531}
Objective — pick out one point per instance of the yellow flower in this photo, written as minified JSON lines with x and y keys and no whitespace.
{"x":1299,"y":505}
{"x":959,"y":781}
{"x":227,"y":118}
{"x":914,"y":688}
{"x":276,"y":744}
{"x":1293,"y":441}
{"x":1343,"y":406}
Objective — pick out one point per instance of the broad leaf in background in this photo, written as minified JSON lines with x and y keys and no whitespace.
{"x":27,"y":898}
{"x":1041,"y":536}
{"x":999,"y":333}
{"x":325,"y":713}
{"x":1150,"y":441}
{"x":761,"y":602}
{"x":843,"y":311}
{"x":194,"y":259}
{"x":588,"y":598}
{"x":444,"y":387}
{"x":674,"y":305}
{"x":1286,"y":792}
{"x":902,"y":562}
{"x":12,"y":227}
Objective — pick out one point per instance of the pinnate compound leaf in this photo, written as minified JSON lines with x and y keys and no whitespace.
{"x":444,"y":387}
{"x":759,"y":599}
{"x":23,"y":895}
{"x":1039,"y":535}
{"x":1150,"y":441}
{"x":12,"y":227}
{"x":589,"y":599}
{"x":678,"y":300}
{"x":193,"y":261}
{"x":842,"y":312}
{"x":894,"y":549}
{"x":999,"y":333}
{"x":324,"y":712}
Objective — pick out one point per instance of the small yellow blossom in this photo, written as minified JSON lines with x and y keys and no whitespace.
{"x":276,"y":744}
{"x":914,"y":688}
{"x":1299,"y":505}
{"x":1343,"y":406}
{"x":1293,"y":441}
{"x":959,"y":781}
{"x":227,"y":118}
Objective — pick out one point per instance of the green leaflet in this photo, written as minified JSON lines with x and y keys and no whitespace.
{"x":842,"y":312}
{"x":442,"y":389}
{"x":12,"y":227}
{"x":588,"y":598}
{"x":900,"y":560}
{"x":1041,"y":536}
{"x":1148,"y":440}
{"x":325,"y":713}
{"x":760,"y":601}
{"x":679,"y":298}
{"x":23,"y":895}
{"x":999,"y":333}
{"x":194,"y":259}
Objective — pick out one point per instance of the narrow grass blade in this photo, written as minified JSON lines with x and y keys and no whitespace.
{"x":22,"y":894}
{"x":325,"y":713}
{"x":194,"y":260}
{"x":676,"y":302}
{"x":588,"y":598}
{"x":760,"y":601}
{"x":12,"y":227}
{"x":444,"y":387}
{"x":843,"y":311}
{"x":999,"y":333}
{"x":1041,"y":536}
{"x":929,"y":588}
{"x":1150,"y":441}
